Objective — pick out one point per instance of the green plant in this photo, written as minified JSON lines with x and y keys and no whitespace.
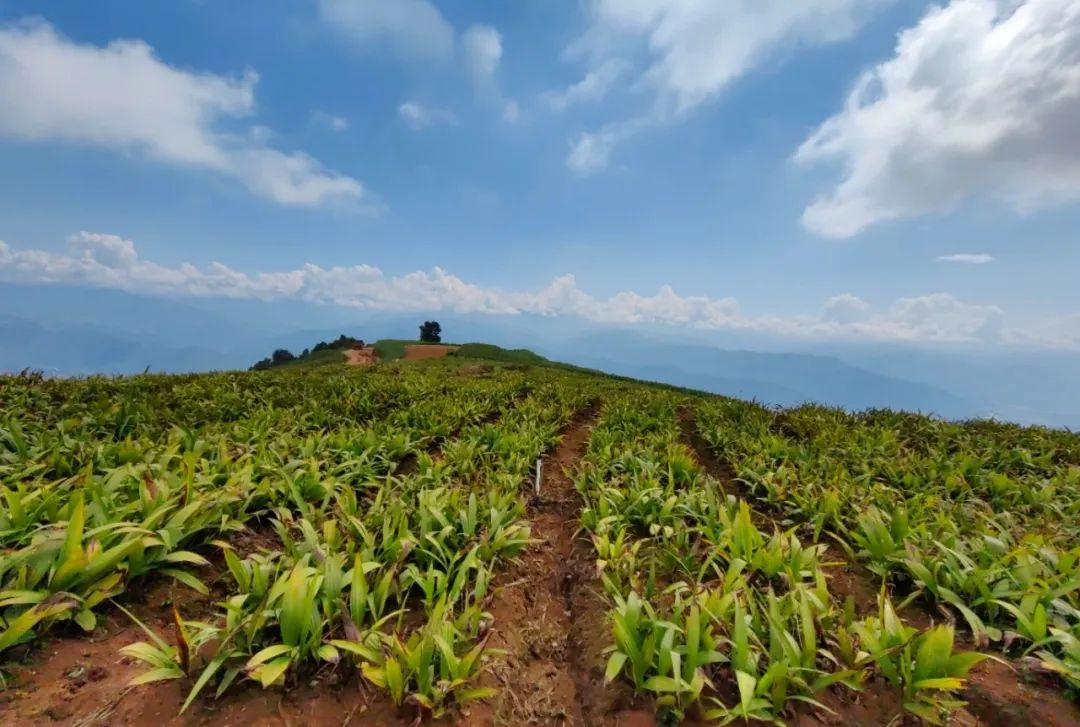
{"x":923,"y":665}
{"x":431,"y":667}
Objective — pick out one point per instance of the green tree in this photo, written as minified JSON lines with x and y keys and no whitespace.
{"x":281,"y":356}
{"x":431,"y":332}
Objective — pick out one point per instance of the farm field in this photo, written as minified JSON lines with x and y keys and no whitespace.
{"x":335,"y":545}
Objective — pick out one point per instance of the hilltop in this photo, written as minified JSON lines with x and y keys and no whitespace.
{"x":387,"y":350}
{"x":393,"y":349}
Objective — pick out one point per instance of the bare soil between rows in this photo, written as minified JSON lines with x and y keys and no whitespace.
{"x":550,"y":618}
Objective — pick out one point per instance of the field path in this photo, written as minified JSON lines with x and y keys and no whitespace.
{"x":549,"y":615}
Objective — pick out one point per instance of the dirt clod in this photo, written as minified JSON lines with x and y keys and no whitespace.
{"x":59,"y":711}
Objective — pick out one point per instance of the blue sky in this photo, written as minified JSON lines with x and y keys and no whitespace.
{"x":806,"y":169}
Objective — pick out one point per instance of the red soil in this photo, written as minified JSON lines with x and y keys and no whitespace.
{"x":549,"y":617}
{"x":365,"y":356}
{"x":417,"y":351}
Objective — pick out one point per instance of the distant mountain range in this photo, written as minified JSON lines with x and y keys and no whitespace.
{"x":76,"y":331}
{"x":783,"y":379}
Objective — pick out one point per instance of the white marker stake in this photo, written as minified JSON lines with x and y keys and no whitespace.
{"x":539,"y":472}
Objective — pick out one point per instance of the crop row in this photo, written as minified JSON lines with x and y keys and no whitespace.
{"x":714,"y":615}
{"x":377,"y":566}
{"x":974,"y":519}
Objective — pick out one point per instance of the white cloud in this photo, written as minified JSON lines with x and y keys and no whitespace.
{"x":941,"y":316}
{"x":123,"y":97}
{"x":692,"y":50}
{"x":110,"y":261}
{"x":1063,"y":330}
{"x":413,"y":28}
{"x":483,"y":51}
{"x":418,"y":116}
{"x":698,"y":47}
{"x":979,"y":258}
{"x":417,"y":29}
{"x":511,"y":112}
{"x":981,"y":97}
{"x":590,"y":152}
{"x":845,"y":309}
{"x":592,"y":87}
{"x":330,"y":121}
{"x":482,"y":46}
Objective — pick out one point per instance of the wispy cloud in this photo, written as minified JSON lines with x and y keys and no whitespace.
{"x":696,"y":49}
{"x":417,"y":116}
{"x":329,"y":121}
{"x":122,"y":96}
{"x":590,"y":152}
{"x":417,"y":29}
{"x":110,"y":261}
{"x":967,"y":258}
{"x":412,"y":28}
{"x":592,"y":87}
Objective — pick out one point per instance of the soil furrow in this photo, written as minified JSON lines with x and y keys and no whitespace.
{"x":548,"y":617}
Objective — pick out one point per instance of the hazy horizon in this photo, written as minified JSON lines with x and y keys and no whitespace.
{"x":892,"y":186}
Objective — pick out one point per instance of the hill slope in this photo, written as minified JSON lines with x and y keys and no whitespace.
{"x":516,"y":524}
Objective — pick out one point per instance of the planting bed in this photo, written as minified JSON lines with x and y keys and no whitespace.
{"x":367,"y":546}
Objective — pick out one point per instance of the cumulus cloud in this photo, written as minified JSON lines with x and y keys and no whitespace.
{"x":941,"y":316}
{"x":412,"y":28}
{"x":981,"y":97}
{"x":937,"y":317}
{"x":967,"y":258}
{"x":845,"y":309}
{"x":110,"y":261}
{"x":689,"y":52}
{"x":123,"y":97}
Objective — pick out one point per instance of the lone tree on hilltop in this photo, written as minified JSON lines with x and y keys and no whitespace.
{"x":431,"y":332}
